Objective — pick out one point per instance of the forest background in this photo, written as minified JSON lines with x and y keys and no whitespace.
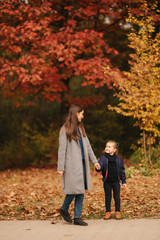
{"x":55,"y":53}
{"x":102,"y":54}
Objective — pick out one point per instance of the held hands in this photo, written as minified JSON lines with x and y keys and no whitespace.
{"x":97,"y":166}
{"x":60,"y":172}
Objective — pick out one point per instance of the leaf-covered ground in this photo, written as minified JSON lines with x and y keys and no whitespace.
{"x":37,"y":194}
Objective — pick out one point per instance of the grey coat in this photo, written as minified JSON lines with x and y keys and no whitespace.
{"x":70,"y":161}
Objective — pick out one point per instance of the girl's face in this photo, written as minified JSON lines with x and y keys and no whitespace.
{"x":80,"y":116}
{"x":110,"y":149}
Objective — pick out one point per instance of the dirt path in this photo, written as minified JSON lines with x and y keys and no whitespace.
{"x":139,"y":229}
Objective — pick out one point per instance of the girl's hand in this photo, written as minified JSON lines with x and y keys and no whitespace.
{"x":60,"y":172}
{"x":97,"y":166}
{"x":124,"y":185}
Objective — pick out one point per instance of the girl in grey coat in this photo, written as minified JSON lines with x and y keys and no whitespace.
{"x":74,"y":154}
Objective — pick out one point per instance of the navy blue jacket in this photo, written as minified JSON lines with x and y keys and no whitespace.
{"x":103,"y":162}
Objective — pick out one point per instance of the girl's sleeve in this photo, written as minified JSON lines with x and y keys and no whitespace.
{"x":92,"y":157}
{"x":122,"y":172}
{"x":101,"y":164}
{"x":62,"y":150}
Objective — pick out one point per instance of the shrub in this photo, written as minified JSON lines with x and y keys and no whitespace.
{"x":129,"y":171}
{"x":30,"y":148}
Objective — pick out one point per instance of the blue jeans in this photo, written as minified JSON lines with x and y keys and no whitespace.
{"x":78,"y":203}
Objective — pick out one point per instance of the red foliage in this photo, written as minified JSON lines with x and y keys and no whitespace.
{"x":85,"y":101}
{"x":45,"y":43}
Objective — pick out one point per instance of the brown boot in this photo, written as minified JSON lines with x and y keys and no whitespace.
{"x":118,"y":215}
{"x":107,"y":216}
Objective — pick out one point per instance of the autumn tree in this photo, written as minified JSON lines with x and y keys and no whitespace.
{"x":139,"y":89}
{"x":45,"y":43}
{"x":24,"y":69}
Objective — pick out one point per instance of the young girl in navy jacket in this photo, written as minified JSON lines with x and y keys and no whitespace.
{"x":113,"y":172}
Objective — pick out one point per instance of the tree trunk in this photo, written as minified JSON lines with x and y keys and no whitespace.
{"x":144,"y":146}
{"x":64,"y":107}
{"x":64,"y":101}
{"x":96,"y":20}
{"x":149,"y":150}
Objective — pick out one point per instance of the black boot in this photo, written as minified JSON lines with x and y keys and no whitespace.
{"x":66,"y":216}
{"x":79,"y":221}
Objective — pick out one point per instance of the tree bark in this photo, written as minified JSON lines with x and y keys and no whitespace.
{"x":149,"y":149}
{"x":64,"y":101}
{"x":144,"y":146}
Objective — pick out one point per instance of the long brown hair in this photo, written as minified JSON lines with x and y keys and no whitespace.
{"x":71,"y":124}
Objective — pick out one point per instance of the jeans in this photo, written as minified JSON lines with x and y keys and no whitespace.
{"x":78,"y":203}
{"x":108,"y":195}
